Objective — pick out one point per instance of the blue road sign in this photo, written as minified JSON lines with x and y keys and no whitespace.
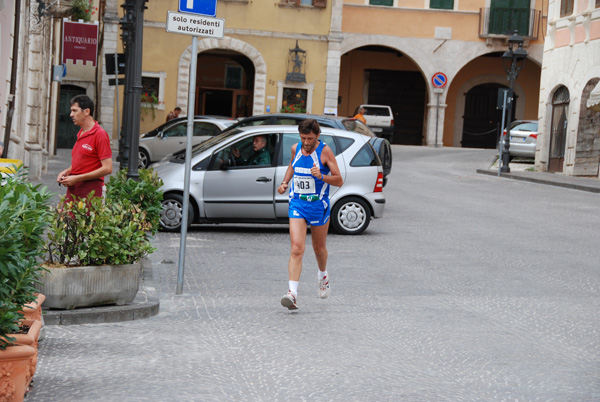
{"x":439,"y":80}
{"x":204,"y":7}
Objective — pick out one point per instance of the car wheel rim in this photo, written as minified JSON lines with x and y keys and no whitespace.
{"x":142,"y":161}
{"x":171,"y":214}
{"x":352,"y":216}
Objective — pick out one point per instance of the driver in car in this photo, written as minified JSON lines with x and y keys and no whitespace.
{"x":260,"y":154}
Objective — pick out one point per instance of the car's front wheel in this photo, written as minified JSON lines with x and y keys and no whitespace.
{"x":143,"y":159}
{"x":171,"y":215}
{"x":350,"y":216}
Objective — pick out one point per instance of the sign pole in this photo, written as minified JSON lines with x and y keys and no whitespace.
{"x":188,"y":165}
{"x":502,"y":132}
{"x":117,"y":89}
{"x":437,"y":118}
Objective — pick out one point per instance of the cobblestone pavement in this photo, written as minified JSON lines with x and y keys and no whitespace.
{"x":452,"y":296}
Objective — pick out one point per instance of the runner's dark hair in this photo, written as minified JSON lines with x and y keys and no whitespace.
{"x":308,"y":126}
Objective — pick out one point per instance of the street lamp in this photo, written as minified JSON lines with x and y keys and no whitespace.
{"x":513,"y":61}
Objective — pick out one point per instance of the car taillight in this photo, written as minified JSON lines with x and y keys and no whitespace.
{"x":504,"y":133}
{"x":533,"y":136}
{"x":392,"y":123}
{"x":379,"y":183}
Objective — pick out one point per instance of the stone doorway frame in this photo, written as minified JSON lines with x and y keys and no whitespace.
{"x":260,"y":69}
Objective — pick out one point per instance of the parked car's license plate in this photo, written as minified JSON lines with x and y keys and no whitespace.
{"x":517,"y":139}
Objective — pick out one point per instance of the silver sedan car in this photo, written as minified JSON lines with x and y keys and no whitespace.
{"x":170,"y":137}
{"x":225,"y":188}
{"x":523,"y":138}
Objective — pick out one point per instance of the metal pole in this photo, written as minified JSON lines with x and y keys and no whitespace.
{"x":136,"y":88}
{"x":506,"y":154}
{"x":188,"y":165}
{"x":117,"y":88}
{"x":502,"y":133}
{"x":437,"y":118}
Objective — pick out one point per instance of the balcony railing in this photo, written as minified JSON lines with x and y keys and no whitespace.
{"x":502,"y":22}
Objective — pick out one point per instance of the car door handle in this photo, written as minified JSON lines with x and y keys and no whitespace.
{"x":263,"y":179}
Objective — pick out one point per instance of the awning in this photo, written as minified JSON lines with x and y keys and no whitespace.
{"x":593,"y":101}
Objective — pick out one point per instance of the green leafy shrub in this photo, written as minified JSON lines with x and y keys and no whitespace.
{"x":24,"y":216}
{"x":143,"y":192}
{"x":111,"y":232}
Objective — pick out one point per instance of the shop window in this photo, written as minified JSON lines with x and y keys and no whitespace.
{"x":442,"y":4}
{"x":381,"y":2}
{"x":566,"y":7}
{"x":294,"y":98}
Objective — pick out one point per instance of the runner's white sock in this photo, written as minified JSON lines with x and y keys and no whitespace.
{"x":322,"y":274}
{"x":294,"y":287}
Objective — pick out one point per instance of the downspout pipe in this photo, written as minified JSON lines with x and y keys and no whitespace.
{"x":13,"y":78}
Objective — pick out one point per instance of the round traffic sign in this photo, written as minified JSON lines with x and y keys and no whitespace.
{"x":439,"y":80}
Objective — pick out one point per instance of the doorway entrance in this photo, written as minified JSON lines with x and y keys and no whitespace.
{"x":482,"y":118}
{"x":558,"y":130}
{"x":66,"y":131}
{"x":224,"y":84}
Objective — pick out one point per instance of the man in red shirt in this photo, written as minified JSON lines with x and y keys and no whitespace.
{"x":91,"y":158}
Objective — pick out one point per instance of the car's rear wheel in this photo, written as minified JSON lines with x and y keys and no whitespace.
{"x":143,"y":159}
{"x":171,"y":215}
{"x":350,"y":216}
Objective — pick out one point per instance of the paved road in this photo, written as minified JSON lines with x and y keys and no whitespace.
{"x":471,"y":288}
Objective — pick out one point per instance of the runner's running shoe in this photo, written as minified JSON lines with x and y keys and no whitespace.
{"x":324,"y":288}
{"x":289,"y":301}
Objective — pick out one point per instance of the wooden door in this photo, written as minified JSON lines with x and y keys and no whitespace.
{"x":558,"y":130}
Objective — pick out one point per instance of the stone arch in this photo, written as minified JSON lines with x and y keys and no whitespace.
{"x":472,"y":83}
{"x":260,"y":67}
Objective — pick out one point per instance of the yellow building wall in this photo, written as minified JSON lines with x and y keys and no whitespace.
{"x":264,"y":26}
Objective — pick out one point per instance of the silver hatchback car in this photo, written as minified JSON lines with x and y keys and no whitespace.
{"x":225,"y":189}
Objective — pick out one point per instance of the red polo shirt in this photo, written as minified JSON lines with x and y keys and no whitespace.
{"x":89,"y":150}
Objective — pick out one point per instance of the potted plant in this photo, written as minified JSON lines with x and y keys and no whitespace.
{"x":94,"y":246}
{"x":24,"y":216}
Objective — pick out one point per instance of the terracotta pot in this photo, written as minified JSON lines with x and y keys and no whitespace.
{"x":14,"y":372}
{"x":33,"y":310}
{"x":68,"y":288}
{"x":31,"y":338}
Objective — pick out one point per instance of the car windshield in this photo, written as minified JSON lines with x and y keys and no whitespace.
{"x":530,"y":127}
{"x":357,"y":126}
{"x":203,"y":146}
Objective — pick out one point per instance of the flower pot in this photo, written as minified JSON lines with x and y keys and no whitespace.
{"x":33,"y":310}
{"x":30,"y":339}
{"x":14,"y":372}
{"x":68,"y":288}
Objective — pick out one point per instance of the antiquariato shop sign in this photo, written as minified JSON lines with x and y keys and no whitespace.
{"x":80,"y":42}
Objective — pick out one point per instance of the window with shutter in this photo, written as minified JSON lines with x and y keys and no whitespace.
{"x":323,"y":3}
{"x":443,"y":4}
{"x":566,"y":7}
{"x":381,"y":2}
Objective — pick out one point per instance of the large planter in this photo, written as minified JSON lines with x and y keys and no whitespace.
{"x":30,"y":339}
{"x":14,"y":372}
{"x":68,"y":288}
{"x":33,"y":310}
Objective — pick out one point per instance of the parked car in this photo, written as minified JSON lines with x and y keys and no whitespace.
{"x":380,"y":120}
{"x":170,"y":137}
{"x":523,"y":138}
{"x":222,"y":191}
{"x":381,"y":145}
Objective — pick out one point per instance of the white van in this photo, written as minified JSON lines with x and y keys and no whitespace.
{"x":380,"y":120}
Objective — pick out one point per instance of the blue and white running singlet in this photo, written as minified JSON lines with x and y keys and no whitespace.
{"x":309,"y":196}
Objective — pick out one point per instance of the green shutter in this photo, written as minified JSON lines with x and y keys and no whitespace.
{"x":443,"y":4}
{"x":381,"y":2}
{"x":508,"y":15}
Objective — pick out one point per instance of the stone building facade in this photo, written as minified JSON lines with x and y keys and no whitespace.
{"x":570,"y":131}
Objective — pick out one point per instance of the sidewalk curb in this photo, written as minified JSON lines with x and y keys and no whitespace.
{"x":145,"y":305}
{"x":526,"y":177}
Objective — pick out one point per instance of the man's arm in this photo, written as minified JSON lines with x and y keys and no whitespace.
{"x":104,"y":170}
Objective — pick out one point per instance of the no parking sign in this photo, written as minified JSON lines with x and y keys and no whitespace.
{"x":439,"y":80}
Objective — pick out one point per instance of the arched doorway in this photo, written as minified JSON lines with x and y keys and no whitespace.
{"x":66,"y":131}
{"x":224,"y":84}
{"x":558,"y":130}
{"x":482,"y":117}
{"x":382,"y":75}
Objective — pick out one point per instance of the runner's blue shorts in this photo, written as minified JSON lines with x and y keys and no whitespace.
{"x":315,"y":213}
